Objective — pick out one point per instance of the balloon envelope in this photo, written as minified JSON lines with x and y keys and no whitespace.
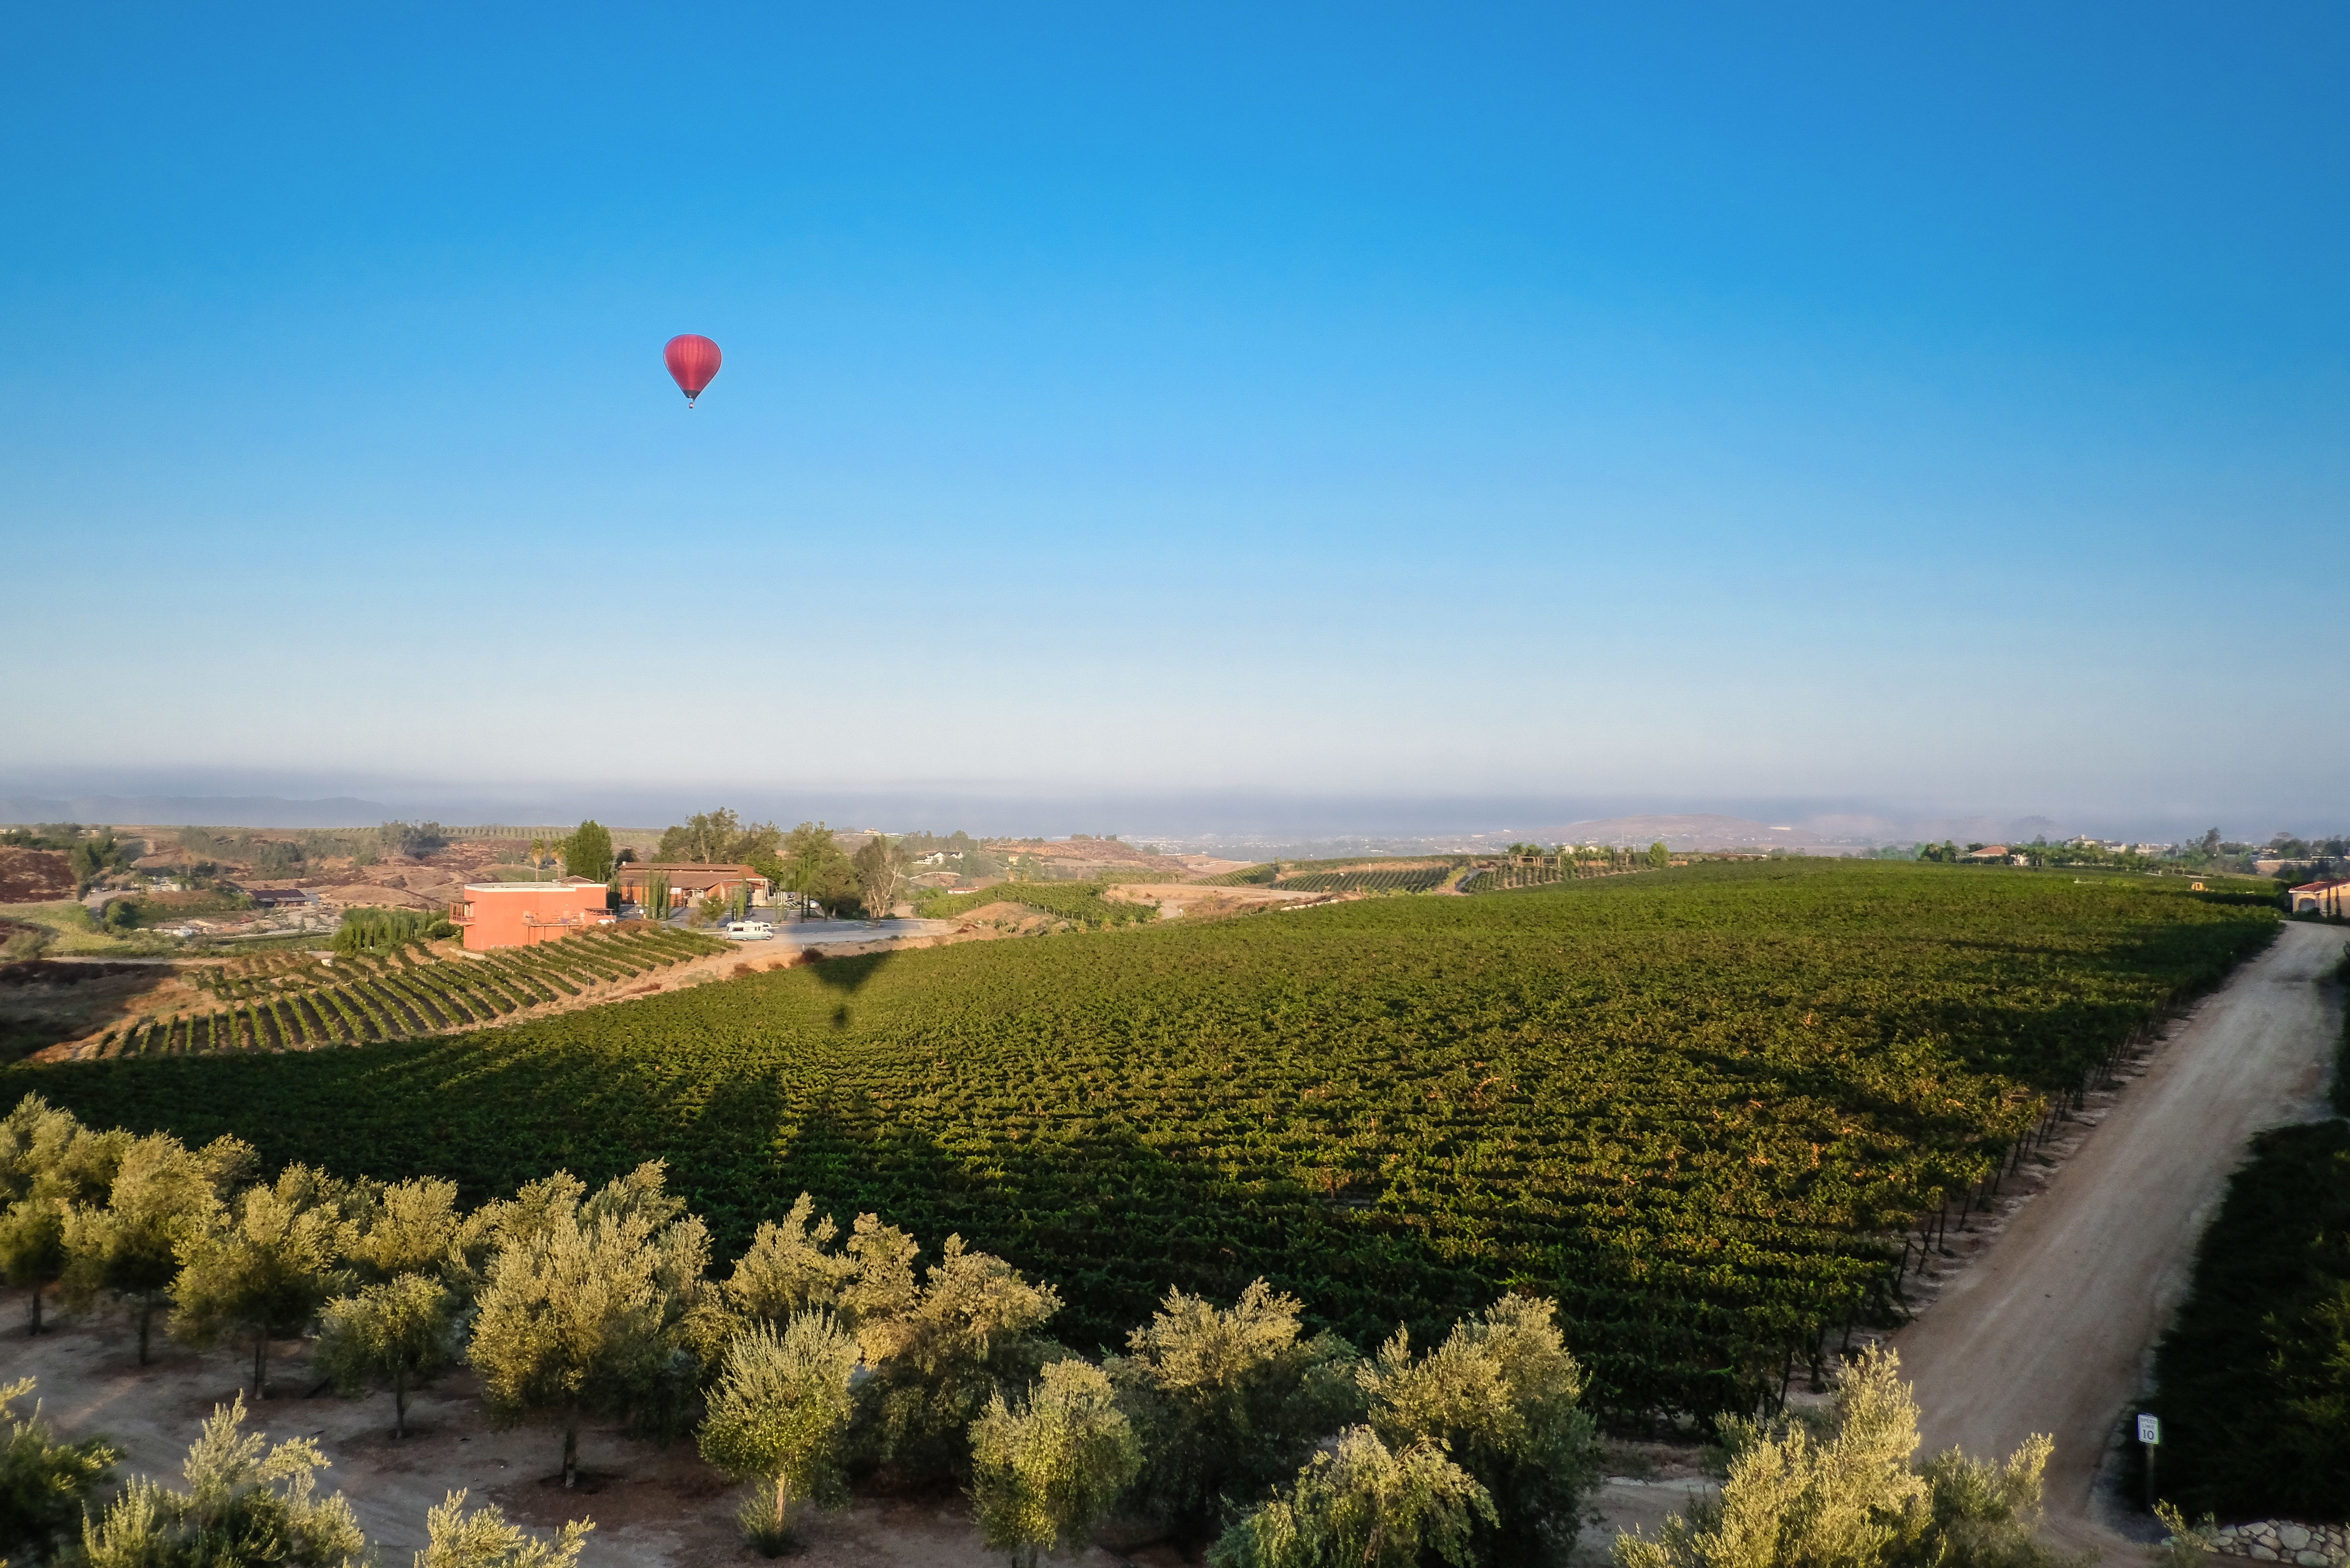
{"x":693,"y":361}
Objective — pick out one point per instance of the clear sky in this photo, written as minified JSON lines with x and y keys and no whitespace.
{"x":1941,"y":406}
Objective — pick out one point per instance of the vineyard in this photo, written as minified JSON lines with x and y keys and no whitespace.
{"x":1717,"y":1112}
{"x":1418,"y":880}
{"x":1540,"y":871}
{"x":1080,"y":903}
{"x":295,"y":1002}
{"x":1298,"y":873}
{"x":2251,"y":1374}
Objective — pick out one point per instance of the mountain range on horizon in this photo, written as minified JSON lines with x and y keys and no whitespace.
{"x":1706,"y":830}
{"x":1681,"y":831}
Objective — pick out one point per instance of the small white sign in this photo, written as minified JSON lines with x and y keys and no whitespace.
{"x":2149,"y":1428}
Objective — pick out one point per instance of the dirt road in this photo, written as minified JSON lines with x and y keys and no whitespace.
{"x":2049,"y":1330}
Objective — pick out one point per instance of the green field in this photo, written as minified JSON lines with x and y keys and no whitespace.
{"x":1081,"y":903}
{"x":1699,"y":1107}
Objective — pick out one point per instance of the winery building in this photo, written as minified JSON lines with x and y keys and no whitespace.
{"x":521,"y":914}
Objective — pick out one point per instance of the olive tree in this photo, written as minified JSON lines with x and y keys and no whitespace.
{"x":239,"y":1489}
{"x":415,"y":1228}
{"x":456,"y":1537}
{"x":1229,"y":1400}
{"x":588,"y":1303}
{"x":1850,"y":1495}
{"x":33,"y":1250}
{"x":1360,"y":1504}
{"x":1051,"y":1465}
{"x":938,"y":1354}
{"x":163,"y":1195}
{"x":48,"y":1163}
{"x":264,"y":1267}
{"x":396,"y":1335}
{"x":1502,"y":1397}
{"x":787,"y":1269}
{"x":44,"y":1483}
{"x":778,"y":1415}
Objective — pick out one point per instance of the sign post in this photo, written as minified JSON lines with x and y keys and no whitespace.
{"x":2150,"y":1437}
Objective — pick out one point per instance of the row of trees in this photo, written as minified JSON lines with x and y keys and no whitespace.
{"x":808,"y":861}
{"x":247,"y":1502}
{"x":819,"y":1358}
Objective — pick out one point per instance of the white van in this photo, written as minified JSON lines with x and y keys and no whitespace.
{"x":749,"y":930}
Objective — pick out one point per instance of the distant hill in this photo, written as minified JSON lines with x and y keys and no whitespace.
{"x":1697,"y":830}
{"x":198,"y":811}
{"x":1829,"y":835}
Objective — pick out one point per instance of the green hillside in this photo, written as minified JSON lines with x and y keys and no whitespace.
{"x":1693,"y":1105}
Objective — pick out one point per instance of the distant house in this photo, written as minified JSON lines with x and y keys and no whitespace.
{"x":1988,"y":852}
{"x":689,"y":882}
{"x":281,"y":898}
{"x":521,"y":914}
{"x":2330,"y":897}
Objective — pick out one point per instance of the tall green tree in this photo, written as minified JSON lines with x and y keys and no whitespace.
{"x":589,"y":852}
{"x":880,"y":869}
{"x":779,"y":1414}
{"x":1049,"y":1465}
{"x":587,"y":1301}
{"x":44,"y":1483}
{"x":719,"y":837}
{"x":163,"y":1196}
{"x":265,"y":1266}
{"x":813,"y":865}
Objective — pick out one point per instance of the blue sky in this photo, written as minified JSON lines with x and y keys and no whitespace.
{"x":1686,"y":407}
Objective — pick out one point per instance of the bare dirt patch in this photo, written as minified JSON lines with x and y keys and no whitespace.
{"x":35,"y":875}
{"x":1195,"y":902}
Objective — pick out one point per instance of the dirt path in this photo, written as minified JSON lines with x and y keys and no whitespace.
{"x":2049,"y":1331}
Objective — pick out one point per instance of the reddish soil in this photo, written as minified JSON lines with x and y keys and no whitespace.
{"x":35,"y":875}
{"x":1090,"y":854}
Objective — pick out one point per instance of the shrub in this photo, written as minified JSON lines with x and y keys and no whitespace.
{"x":1050,"y":1464}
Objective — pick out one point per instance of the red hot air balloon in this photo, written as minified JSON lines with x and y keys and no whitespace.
{"x":693,"y":361}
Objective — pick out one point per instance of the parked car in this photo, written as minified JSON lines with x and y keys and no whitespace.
{"x":749,"y":930}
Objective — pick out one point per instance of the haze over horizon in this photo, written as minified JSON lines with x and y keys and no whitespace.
{"x":1208,"y":417}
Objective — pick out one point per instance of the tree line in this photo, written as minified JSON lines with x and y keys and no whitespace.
{"x":808,"y":861}
{"x":820,"y":1358}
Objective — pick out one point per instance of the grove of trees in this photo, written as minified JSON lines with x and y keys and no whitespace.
{"x":248,"y":1502}
{"x":816,"y":1359}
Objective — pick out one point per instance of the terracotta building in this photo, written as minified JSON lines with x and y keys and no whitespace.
{"x":518,"y":914}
